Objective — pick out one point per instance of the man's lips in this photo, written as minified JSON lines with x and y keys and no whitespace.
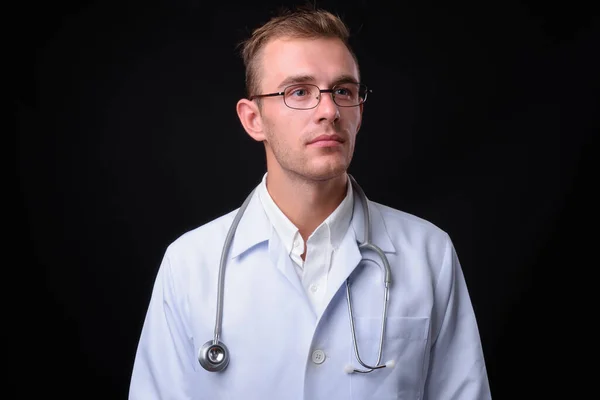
{"x":327,"y":140}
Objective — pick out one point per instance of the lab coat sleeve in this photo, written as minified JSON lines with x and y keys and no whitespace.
{"x":164,"y":357}
{"x":457,"y":369}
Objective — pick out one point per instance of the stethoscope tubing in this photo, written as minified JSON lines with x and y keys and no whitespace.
{"x":214,"y":355}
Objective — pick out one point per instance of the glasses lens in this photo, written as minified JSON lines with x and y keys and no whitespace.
{"x":302,"y":96}
{"x":349,"y":94}
{"x":306,"y":96}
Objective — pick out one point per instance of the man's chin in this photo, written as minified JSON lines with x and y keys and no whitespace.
{"x":327,"y":172}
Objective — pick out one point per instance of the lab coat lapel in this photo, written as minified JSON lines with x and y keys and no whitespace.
{"x":348,"y":255}
{"x":345,"y":260}
{"x":284,"y":263}
{"x":254,"y":228}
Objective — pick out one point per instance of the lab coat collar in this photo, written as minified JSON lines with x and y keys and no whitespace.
{"x":254,"y":227}
{"x":379,"y":233}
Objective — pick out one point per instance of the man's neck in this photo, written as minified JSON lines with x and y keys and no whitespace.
{"x":306,"y":203}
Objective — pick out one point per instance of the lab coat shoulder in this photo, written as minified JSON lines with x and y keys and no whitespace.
{"x":205,"y":243}
{"x":407,"y":222}
{"x":195,"y":242}
{"x":191,"y":261}
{"x":414,"y":234}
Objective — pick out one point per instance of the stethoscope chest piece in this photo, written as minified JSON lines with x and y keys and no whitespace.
{"x":214,"y":357}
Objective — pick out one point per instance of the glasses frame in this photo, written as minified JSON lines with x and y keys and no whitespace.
{"x":282,"y":93}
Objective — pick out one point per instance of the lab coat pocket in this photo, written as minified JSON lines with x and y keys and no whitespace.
{"x":404,"y":343}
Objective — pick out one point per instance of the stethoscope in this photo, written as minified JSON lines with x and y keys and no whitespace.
{"x":214,"y":355}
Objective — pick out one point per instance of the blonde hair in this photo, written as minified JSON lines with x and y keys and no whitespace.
{"x":302,"y":23}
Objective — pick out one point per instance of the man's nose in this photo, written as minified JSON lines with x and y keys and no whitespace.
{"x":327,"y":107}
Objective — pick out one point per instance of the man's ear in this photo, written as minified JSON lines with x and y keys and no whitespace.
{"x":249,"y":115}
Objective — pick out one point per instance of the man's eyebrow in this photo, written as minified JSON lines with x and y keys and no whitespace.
{"x":290,"y":80}
{"x":344,"y":79}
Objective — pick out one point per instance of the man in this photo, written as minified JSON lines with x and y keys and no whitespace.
{"x":285,"y":329}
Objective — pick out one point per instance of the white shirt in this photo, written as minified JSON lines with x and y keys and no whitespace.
{"x":321,"y":244}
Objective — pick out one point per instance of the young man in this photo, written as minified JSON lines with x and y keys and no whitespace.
{"x":296,"y":309}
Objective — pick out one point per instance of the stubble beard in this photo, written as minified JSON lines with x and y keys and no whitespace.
{"x":299,"y":164}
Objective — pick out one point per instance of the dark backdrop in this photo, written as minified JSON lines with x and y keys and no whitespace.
{"x":480,"y":121}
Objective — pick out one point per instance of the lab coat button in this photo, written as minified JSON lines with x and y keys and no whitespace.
{"x":318,"y":356}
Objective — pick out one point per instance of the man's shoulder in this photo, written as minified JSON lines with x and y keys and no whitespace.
{"x":396,"y":220}
{"x":207,"y":232}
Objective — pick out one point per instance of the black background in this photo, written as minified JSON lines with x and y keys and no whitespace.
{"x":481,"y":120}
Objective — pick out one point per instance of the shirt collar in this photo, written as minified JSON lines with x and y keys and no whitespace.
{"x":332,"y":229}
{"x":255,"y":227}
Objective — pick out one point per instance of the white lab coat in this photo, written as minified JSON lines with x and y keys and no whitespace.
{"x":272,"y":332}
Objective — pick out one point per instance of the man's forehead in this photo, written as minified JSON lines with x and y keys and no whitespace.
{"x":323,"y":58}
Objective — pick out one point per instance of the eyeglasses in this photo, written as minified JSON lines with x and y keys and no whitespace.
{"x":305,"y":96}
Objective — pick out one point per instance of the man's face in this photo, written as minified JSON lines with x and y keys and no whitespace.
{"x":290,"y":133}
